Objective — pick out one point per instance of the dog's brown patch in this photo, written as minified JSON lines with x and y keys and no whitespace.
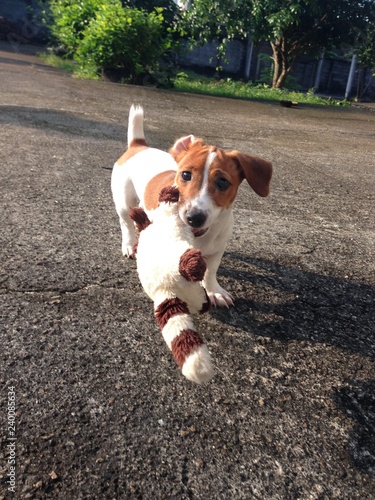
{"x":136,"y":146}
{"x":193,"y":160}
{"x":155,"y":185}
{"x":224,"y":167}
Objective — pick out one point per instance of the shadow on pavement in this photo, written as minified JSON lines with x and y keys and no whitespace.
{"x":20,"y":62}
{"x":319,"y":309}
{"x":358,"y":403}
{"x":52,"y":120}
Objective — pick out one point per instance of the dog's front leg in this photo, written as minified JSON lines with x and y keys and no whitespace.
{"x":218,"y":296}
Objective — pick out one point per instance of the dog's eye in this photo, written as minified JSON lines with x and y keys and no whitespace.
{"x":222,"y":184}
{"x":186,"y":176}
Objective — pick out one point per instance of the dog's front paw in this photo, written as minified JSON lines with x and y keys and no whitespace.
{"x":220,"y":297}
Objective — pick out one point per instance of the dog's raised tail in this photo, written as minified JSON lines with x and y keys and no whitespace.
{"x":187,"y":346}
{"x":135,"y":126}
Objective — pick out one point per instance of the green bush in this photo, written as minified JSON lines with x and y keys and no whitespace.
{"x":104,"y":35}
{"x":122,"y":38}
{"x":68,"y":20}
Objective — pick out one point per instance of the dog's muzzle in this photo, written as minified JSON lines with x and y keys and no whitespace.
{"x":196,"y":218}
{"x":199,"y":232}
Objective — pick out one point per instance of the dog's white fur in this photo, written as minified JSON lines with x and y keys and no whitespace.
{"x":133,"y":172}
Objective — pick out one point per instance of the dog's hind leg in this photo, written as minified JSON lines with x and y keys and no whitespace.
{"x":125,"y":198}
{"x":128,"y":235}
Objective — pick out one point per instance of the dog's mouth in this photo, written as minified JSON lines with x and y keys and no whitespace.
{"x":199,"y":232}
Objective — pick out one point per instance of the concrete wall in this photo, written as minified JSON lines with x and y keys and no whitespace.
{"x":16,"y":25}
{"x":205,"y":57}
{"x":14,"y":10}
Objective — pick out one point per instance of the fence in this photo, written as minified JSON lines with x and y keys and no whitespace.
{"x":329,"y":75}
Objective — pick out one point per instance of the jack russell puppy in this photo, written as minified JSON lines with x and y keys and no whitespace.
{"x":207,"y":178}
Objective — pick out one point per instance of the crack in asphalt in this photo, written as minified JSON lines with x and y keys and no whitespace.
{"x":60,"y":291}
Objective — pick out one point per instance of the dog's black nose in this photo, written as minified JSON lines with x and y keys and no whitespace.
{"x":196,"y":218}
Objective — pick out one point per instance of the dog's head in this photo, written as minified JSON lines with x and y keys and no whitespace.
{"x":208,"y":179}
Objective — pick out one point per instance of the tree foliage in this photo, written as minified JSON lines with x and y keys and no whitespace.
{"x":204,"y":20}
{"x":365,"y":41}
{"x":297,"y":27}
{"x":170,"y":9}
{"x":292,"y":27}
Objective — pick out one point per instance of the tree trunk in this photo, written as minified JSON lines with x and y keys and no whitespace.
{"x":282,"y":66}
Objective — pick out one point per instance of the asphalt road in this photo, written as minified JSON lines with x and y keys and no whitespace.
{"x":101,"y":409}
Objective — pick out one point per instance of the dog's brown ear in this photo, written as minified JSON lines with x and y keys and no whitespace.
{"x":256,"y":171}
{"x":181,"y":145}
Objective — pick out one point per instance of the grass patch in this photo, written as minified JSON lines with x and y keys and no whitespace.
{"x":191,"y":82}
{"x":70,"y":66}
{"x":198,"y":84}
{"x":58,"y":62}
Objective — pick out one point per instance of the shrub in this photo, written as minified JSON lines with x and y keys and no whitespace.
{"x":104,"y":35}
{"x":123,"y":38}
{"x":69,"y":19}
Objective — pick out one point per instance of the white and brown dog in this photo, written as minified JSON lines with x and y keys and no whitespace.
{"x":207,"y":178}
